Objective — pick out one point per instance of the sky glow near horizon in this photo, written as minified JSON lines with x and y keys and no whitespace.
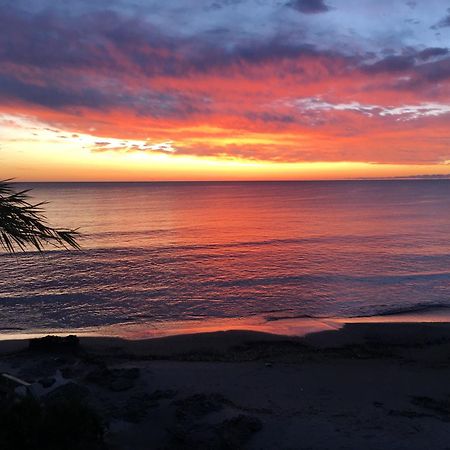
{"x":224,"y":89}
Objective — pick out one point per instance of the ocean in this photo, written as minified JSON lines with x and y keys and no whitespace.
{"x":158,"y":253}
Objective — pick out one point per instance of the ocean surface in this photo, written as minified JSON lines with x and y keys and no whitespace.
{"x":163,"y":252}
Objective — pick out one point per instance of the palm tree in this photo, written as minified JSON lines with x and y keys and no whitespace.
{"x":24,"y":225}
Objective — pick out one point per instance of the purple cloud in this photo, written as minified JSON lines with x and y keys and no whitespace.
{"x":309,"y":6}
{"x":443,"y":23}
{"x":393,"y":63}
{"x":432,"y":52}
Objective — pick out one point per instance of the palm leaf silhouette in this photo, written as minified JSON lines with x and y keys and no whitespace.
{"x":23,"y":224}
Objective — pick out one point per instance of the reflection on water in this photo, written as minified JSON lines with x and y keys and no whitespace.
{"x":162,"y":252}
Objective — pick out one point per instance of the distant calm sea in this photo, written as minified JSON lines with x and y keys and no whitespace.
{"x":157,"y":252}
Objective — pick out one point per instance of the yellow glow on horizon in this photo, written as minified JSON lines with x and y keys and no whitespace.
{"x":33,"y":152}
{"x":54,"y":162}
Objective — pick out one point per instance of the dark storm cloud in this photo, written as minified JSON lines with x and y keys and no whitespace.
{"x":309,"y":6}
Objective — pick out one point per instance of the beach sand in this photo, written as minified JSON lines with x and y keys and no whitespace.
{"x":364,"y":386}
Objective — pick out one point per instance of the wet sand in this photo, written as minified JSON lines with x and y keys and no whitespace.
{"x":366,"y":385}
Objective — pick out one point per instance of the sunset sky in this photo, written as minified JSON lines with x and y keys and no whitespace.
{"x":223,"y":89}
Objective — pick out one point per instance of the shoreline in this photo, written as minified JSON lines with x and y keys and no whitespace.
{"x":282,"y":325}
{"x":327,"y":336}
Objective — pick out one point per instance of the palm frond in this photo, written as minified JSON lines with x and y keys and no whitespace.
{"x":23,"y":224}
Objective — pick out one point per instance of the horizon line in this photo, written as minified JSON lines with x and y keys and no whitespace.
{"x":404,"y":178}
